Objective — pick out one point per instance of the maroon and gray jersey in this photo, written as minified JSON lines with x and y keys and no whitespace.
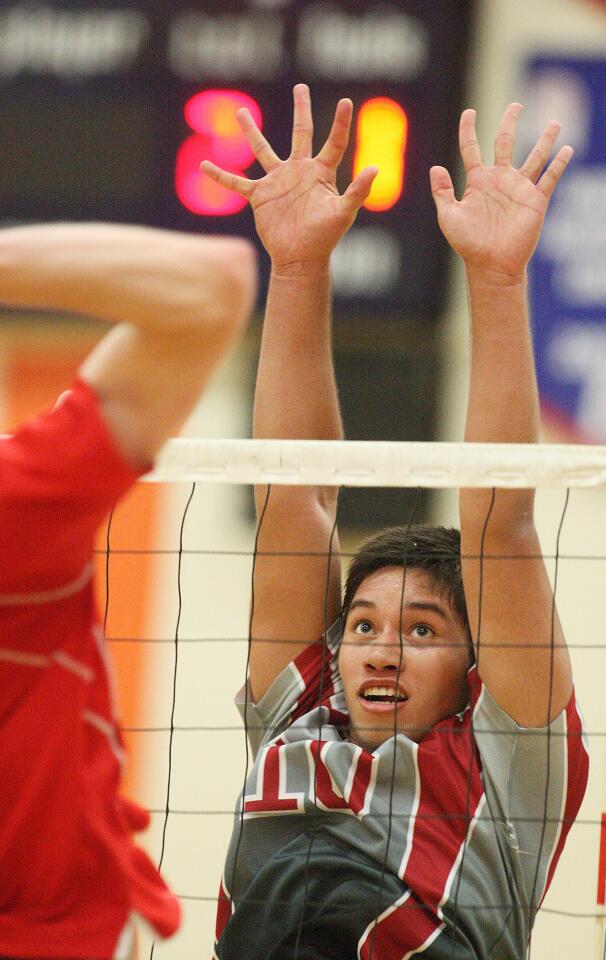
{"x":444,"y":848}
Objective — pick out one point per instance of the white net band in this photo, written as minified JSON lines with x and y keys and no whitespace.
{"x":380,"y":464}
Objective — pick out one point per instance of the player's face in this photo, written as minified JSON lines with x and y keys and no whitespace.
{"x":413,"y":684}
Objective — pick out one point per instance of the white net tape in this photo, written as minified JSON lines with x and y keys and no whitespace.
{"x":380,"y":464}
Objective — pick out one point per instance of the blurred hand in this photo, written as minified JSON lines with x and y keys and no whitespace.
{"x":496,"y":226}
{"x":299,"y":214}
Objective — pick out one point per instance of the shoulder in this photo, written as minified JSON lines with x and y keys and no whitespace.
{"x":60,"y":475}
{"x":527,"y":761}
{"x":66,"y":447}
{"x":308,"y":682}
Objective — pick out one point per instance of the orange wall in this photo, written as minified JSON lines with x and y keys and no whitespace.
{"x":37,"y":367}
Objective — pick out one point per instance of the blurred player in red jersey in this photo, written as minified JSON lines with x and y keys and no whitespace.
{"x":71,"y":877}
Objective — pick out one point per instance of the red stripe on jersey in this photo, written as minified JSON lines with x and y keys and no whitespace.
{"x":403,"y":929}
{"x":578,"y":770}
{"x":449,"y":795}
{"x":601,"y":894}
{"x":362,"y":781}
{"x":224,"y":911}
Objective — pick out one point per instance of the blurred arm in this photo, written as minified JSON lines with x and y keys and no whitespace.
{"x":177,"y":302}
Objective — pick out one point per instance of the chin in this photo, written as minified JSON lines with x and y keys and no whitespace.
{"x":370,"y":744}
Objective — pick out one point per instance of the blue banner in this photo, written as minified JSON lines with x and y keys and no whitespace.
{"x":568,"y":271}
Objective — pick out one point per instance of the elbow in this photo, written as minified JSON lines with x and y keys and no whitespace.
{"x":233,"y":285}
{"x":213,"y":290}
{"x":507,"y":516}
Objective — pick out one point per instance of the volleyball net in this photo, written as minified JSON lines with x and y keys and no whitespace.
{"x":189,"y":657}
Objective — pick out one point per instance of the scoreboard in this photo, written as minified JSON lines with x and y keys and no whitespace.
{"x":108,"y":109}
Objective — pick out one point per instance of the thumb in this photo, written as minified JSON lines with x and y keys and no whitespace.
{"x":441,"y":188}
{"x":359,"y":189}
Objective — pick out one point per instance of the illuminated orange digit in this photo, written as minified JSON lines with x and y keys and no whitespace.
{"x":381,"y":140}
{"x":217,"y":136}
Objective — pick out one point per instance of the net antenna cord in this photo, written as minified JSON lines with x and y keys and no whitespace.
{"x":380,"y":463}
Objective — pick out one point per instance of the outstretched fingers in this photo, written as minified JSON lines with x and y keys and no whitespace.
{"x":538,"y":157}
{"x":230,"y":180}
{"x":262,"y":150}
{"x":506,"y":135}
{"x":303,"y":125}
{"x":468,"y":141}
{"x":556,"y":168}
{"x":334,"y":149}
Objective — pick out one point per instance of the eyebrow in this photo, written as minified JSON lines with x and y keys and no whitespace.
{"x":427,"y":605}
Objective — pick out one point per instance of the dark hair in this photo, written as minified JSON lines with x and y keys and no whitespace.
{"x":434,"y":549}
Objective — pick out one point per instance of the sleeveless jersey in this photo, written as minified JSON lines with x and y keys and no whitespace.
{"x":443,"y":848}
{"x":70,"y":873}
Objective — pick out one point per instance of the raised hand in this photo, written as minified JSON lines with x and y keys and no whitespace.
{"x":299,"y":214}
{"x":497,"y":224}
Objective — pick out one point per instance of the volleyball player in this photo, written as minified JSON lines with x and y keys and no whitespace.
{"x":70,"y":875}
{"x":422,"y":808}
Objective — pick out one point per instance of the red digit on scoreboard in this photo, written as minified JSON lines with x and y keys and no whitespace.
{"x":382,"y":140}
{"x":217,"y":136}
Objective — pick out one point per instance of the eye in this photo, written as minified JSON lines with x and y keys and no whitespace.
{"x":422,"y":631}
{"x":363,"y":627}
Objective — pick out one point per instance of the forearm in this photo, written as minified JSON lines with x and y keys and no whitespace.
{"x":296,"y":394}
{"x":503,"y":400}
{"x":153,"y":279}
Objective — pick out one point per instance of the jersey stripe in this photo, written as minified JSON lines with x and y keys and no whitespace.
{"x":49,"y":596}
{"x":413,"y":814}
{"x":42,"y":661}
{"x":108,"y":730}
{"x":445,"y":812}
{"x":576,"y":779}
{"x":73,"y":666}
{"x":23,"y":658}
{"x":409,"y":927}
{"x":225,"y":908}
{"x":457,"y":865}
{"x":405,"y":928}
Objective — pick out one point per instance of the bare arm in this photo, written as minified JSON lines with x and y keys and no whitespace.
{"x":495,"y":228}
{"x":177,"y":300}
{"x":300,"y":218}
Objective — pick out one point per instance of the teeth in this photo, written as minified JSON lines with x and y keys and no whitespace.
{"x":382,"y":693}
{"x":379,"y":691}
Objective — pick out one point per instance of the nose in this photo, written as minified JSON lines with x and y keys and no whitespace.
{"x":386,"y":653}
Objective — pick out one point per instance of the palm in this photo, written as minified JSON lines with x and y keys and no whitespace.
{"x":497,"y":223}
{"x":298,"y":211}
{"x":299,"y":214}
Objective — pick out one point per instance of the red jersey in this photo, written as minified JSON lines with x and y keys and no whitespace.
{"x":71,"y":875}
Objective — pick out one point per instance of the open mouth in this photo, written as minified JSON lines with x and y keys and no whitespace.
{"x":386,"y":696}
